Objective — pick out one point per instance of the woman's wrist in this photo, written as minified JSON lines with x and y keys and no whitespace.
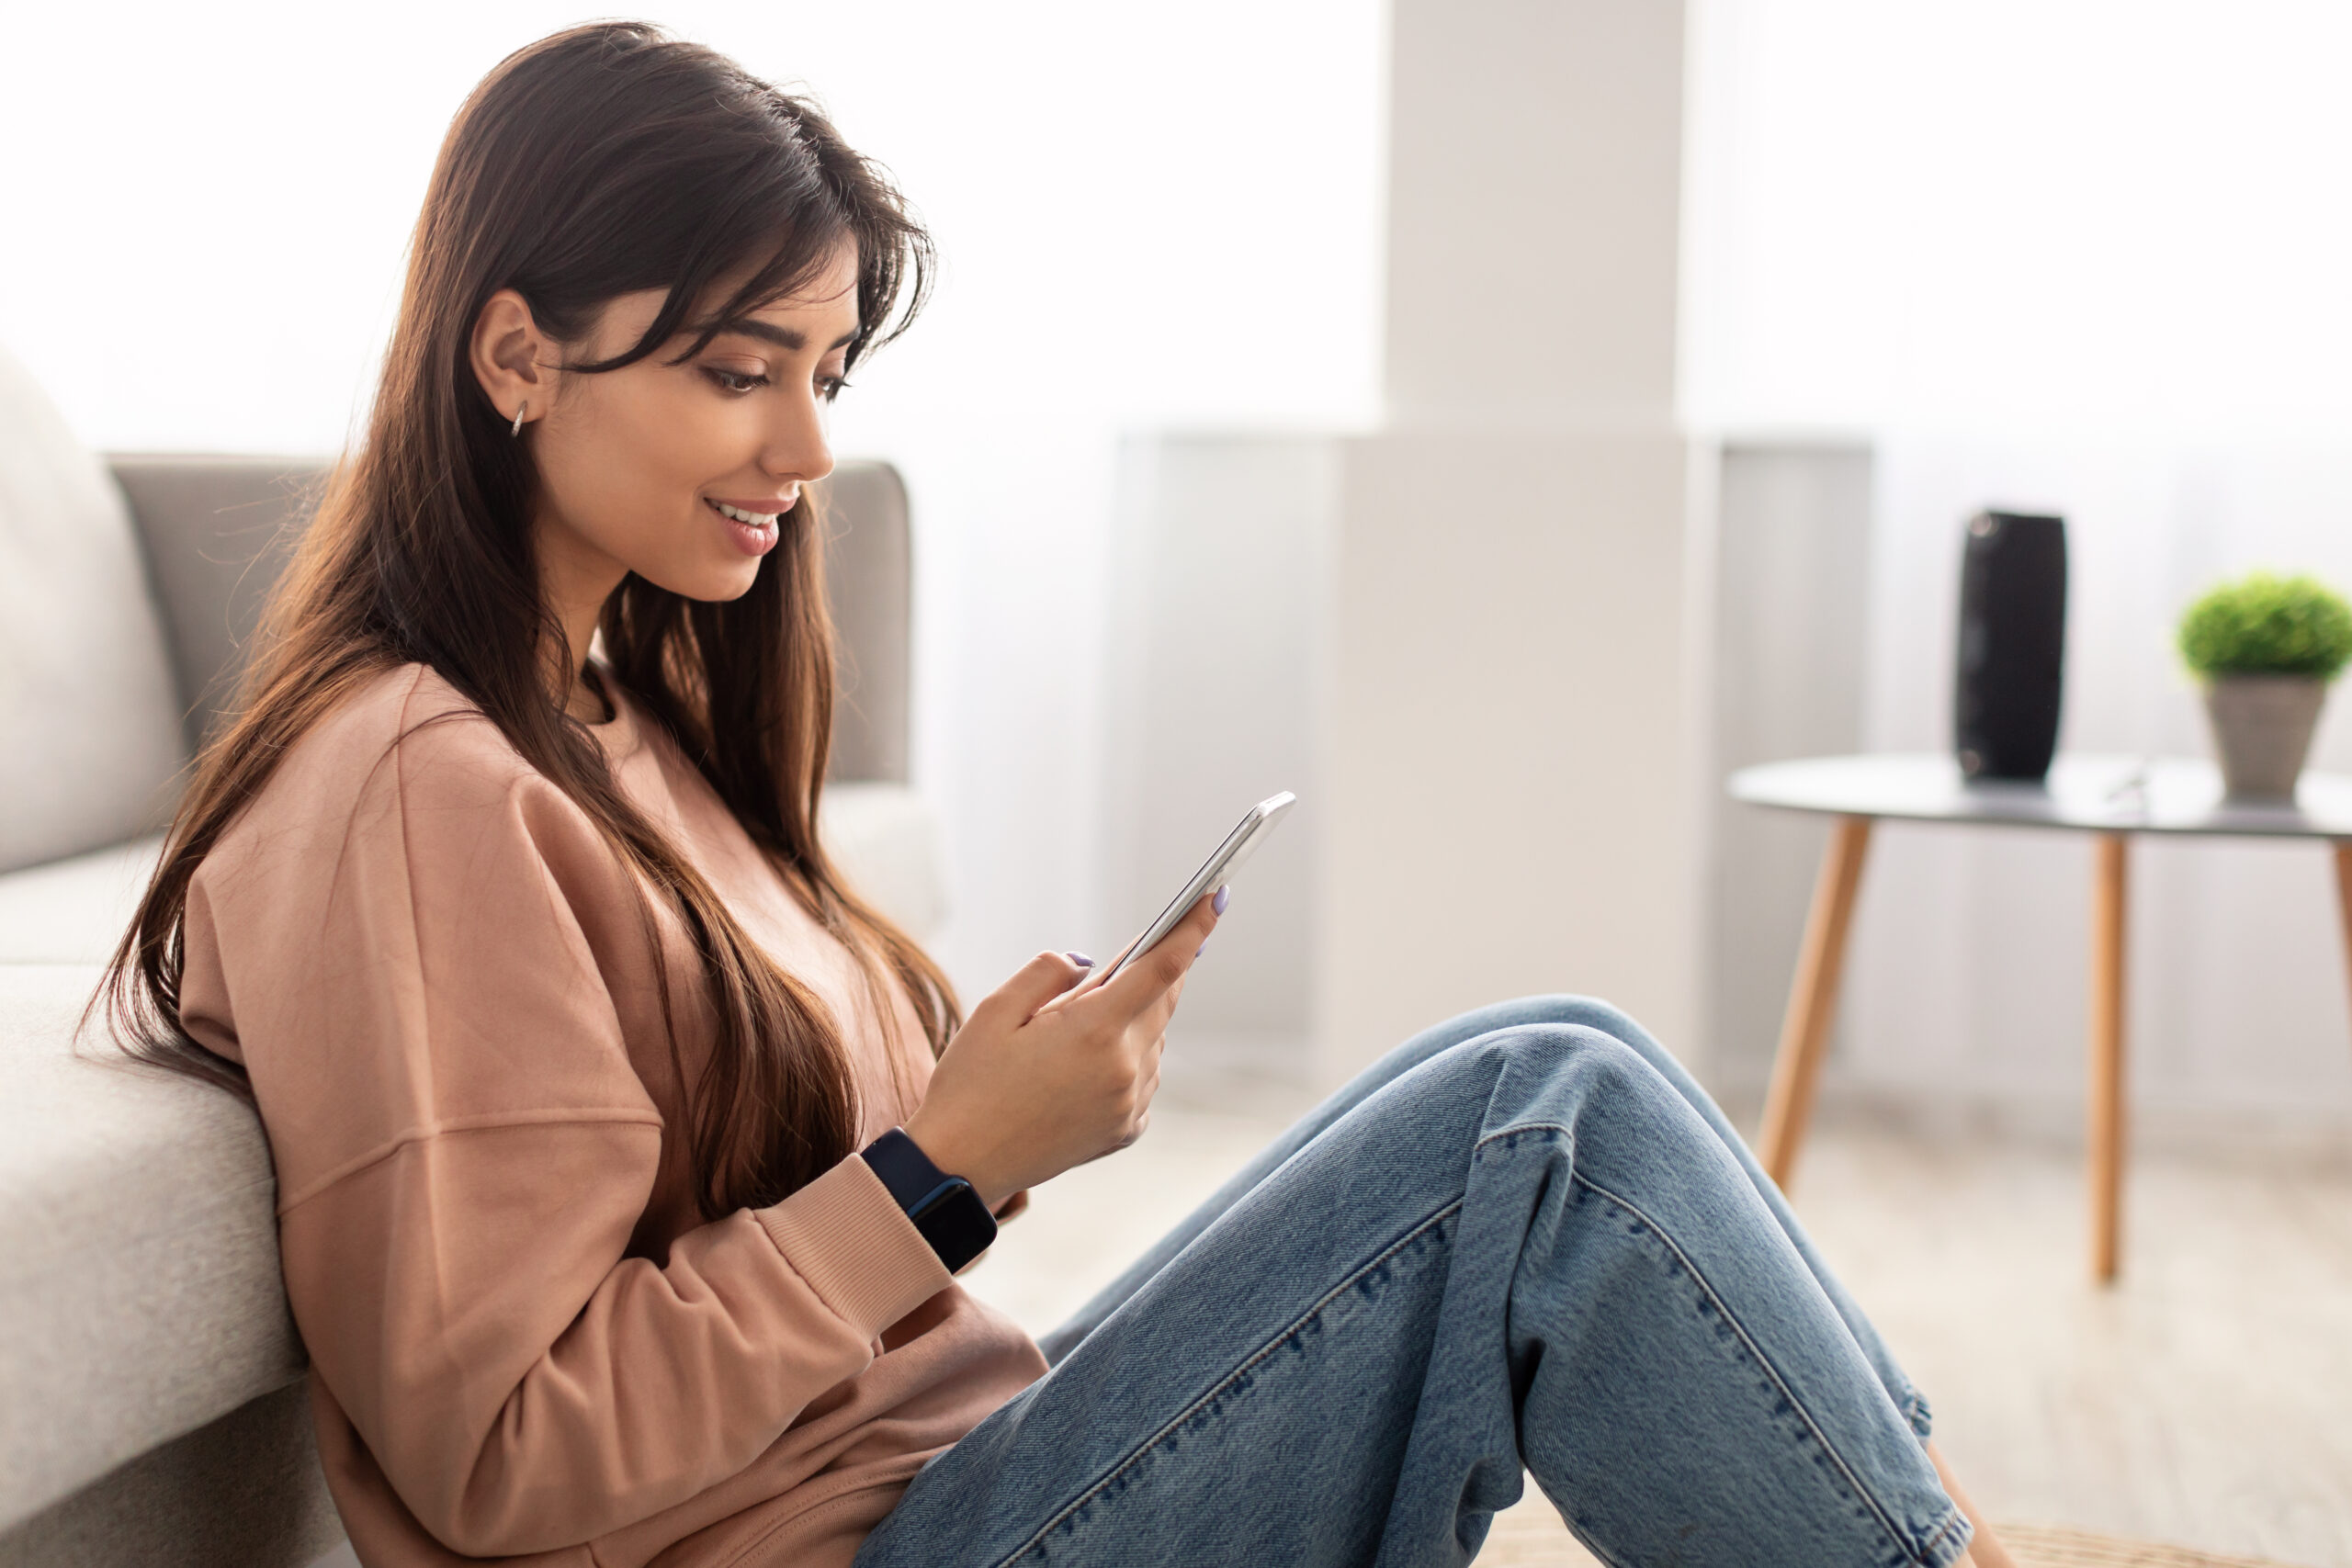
{"x":955,"y":1158}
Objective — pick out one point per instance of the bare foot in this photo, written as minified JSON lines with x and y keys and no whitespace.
{"x":1985,"y":1550}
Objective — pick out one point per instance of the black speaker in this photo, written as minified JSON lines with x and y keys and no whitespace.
{"x":2012,"y":645}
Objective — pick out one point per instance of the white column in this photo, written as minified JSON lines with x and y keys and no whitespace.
{"x":1508,"y":790}
{"x":1534,"y":223}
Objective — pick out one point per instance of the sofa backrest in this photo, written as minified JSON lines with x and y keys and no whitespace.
{"x":88,"y":749}
{"x":218,"y":530}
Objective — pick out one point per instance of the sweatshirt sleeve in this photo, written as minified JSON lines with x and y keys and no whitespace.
{"x":411,"y":957}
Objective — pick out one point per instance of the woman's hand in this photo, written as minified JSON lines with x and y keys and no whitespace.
{"x":1026,"y":1091}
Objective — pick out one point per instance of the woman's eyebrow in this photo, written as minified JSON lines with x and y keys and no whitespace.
{"x":789,"y":339}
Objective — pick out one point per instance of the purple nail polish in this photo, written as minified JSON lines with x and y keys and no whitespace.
{"x":1224,"y":896}
{"x":1080,"y":959}
{"x":1198,"y":951}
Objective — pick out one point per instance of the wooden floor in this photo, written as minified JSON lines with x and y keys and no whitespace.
{"x":2206,"y":1401}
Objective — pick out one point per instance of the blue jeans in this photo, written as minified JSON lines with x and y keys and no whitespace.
{"x":1524,"y":1237}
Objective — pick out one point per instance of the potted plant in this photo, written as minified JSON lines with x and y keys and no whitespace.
{"x":2265,"y":647}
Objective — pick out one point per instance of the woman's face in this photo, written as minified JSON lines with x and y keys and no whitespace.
{"x":678,"y":473}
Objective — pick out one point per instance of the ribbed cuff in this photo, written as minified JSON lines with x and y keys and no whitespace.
{"x":846,"y":1235}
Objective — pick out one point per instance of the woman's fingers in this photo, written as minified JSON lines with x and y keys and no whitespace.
{"x":1043,"y":1076}
{"x":1033,"y":985}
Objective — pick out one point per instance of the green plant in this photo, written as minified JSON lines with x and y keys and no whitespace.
{"x":2263,"y":624}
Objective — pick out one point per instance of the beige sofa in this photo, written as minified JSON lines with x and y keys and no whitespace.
{"x":152,"y":1409}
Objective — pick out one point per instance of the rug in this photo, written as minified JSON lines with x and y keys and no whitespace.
{"x":2050,"y":1546}
{"x":1532,"y":1536}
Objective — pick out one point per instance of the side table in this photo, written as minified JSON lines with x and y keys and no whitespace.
{"x":2110,"y":797}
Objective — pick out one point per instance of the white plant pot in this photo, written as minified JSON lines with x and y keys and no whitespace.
{"x":2262,"y":729}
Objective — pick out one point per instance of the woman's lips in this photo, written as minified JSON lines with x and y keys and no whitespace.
{"x":751,"y":539}
{"x":761,"y":505}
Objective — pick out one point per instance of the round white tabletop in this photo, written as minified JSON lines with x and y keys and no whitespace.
{"x":2106,"y":794}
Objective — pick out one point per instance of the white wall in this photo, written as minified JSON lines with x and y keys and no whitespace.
{"x":1145,"y":214}
{"x":1219,"y":645}
{"x":2022,"y":216}
{"x":1790,"y":618}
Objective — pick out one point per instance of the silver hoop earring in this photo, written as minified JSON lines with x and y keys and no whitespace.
{"x":517,"y":430}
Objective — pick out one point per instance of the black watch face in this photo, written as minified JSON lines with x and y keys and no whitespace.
{"x":958,"y":1224}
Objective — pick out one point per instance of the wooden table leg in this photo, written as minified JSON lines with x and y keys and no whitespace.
{"x":2344,"y":894}
{"x":1813,"y":1000}
{"x":2105,"y":1130}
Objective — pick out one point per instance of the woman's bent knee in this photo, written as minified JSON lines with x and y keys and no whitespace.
{"x":1553,"y":1057}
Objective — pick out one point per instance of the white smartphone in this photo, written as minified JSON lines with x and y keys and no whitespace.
{"x":1238,"y":847}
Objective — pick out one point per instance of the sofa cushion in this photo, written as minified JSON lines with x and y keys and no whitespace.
{"x":89,"y":719}
{"x":138,"y":1251}
{"x":884,"y":841}
{"x":74,"y":911}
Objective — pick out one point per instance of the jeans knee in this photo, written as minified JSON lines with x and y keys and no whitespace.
{"x":1599,"y":1060}
{"x":1593,"y":1012}
{"x":1581,"y":1011}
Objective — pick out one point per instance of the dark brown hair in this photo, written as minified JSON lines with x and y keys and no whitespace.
{"x":599,"y":162}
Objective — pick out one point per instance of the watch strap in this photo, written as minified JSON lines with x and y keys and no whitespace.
{"x":944,"y":1209}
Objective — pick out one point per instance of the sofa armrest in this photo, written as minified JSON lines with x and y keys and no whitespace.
{"x":216,"y":530}
{"x":869,"y":561}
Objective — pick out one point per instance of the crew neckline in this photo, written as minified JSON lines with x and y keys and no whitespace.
{"x":616,"y":734}
{"x":607,"y":693}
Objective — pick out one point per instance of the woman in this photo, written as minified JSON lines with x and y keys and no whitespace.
{"x":624,"y":1156}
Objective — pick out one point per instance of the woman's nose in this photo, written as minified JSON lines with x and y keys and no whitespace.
{"x":799,"y":448}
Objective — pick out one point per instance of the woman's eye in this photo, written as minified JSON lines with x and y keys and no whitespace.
{"x":832,"y":387}
{"x":734,"y":380}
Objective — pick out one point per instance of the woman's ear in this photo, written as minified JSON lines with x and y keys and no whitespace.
{"x":512,"y":358}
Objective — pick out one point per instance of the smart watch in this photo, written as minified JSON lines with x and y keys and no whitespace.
{"x":944,"y":1209}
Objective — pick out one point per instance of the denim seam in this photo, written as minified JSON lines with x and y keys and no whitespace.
{"x":1289,"y":1333}
{"x":1895,"y":1532}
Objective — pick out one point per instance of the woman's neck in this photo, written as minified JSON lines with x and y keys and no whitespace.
{"x":576,"y":579}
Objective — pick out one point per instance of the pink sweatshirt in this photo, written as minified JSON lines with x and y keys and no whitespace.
{"x":525,"y":1343}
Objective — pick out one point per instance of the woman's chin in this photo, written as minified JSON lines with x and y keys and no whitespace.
{"x":708,"y":583}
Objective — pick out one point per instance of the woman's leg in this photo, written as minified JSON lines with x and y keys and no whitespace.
{"x":1529,"y":1249}
{"x":1591,"y":1013}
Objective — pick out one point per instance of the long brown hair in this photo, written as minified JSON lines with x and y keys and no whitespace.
{"x":598,"y":162}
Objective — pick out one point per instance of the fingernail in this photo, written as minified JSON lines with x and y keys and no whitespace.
{"x":1223,"y":895}
{"x":1198,"y":951}
{"x":1080,"y":959}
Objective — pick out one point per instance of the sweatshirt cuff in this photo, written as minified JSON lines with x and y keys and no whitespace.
{"x":849,"y":1239}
